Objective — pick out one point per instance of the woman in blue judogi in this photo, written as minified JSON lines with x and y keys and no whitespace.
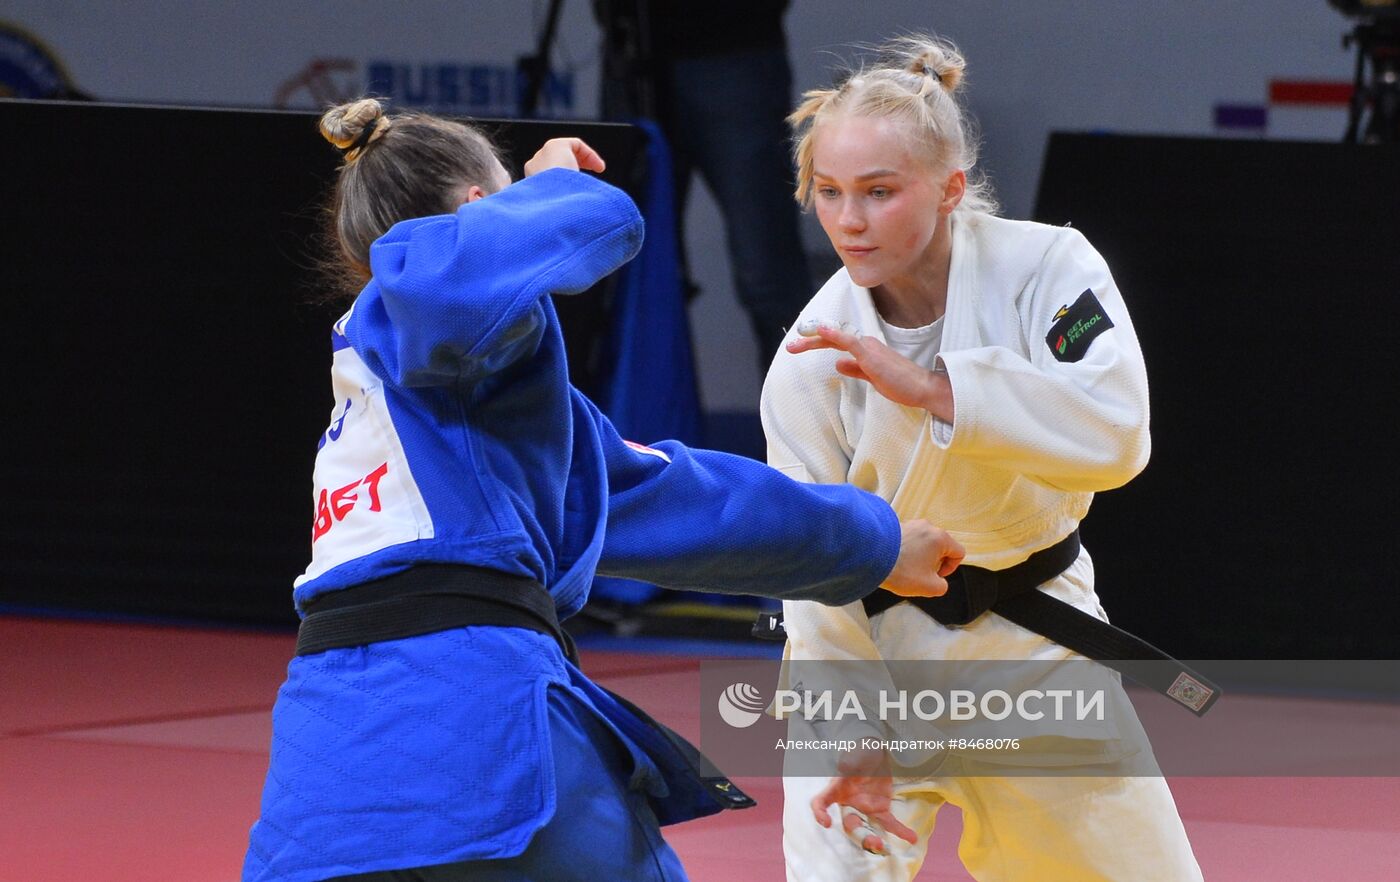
{"x":433,"y":725}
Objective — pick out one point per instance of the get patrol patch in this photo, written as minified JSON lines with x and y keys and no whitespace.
{"x":1076,"y":326}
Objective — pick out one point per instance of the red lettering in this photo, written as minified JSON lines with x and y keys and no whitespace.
{"x":323,"y":520}
{"x":343,"y":500}
{"x":372,"y":482}
{"x":334,"y":506}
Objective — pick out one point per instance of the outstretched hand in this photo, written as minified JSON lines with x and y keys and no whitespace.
{"x":893,"y":376}
{"x":927,"y":555}
{"x":865,"y":791}
{"x":570,"y":153}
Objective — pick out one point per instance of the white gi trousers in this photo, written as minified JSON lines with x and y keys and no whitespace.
{"x":1115,"y":823}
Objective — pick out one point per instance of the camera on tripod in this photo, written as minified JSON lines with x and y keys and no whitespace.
{"x":1375,"y":100}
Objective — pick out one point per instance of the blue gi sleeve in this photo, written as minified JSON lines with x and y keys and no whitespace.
{"x":708,"y":521}
{"x":457,"y":297}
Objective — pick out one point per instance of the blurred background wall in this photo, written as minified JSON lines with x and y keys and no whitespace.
{"x":1188,"y":68}
{"x":1259,"y":255}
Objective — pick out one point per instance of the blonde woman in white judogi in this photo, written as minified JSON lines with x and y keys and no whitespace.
{"x":925,"y":371}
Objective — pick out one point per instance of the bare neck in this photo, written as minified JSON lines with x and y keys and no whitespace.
{"x":920,"y":296}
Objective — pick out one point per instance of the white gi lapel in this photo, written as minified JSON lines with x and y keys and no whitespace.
{"x":927,"y":461}
{"x":960,"y":326}
{"x":863,"y":311}
{"x":869,"y":468}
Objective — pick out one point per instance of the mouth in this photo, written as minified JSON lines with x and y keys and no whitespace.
{"x":858,"y":250}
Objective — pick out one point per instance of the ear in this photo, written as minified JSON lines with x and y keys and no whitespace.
{"x":953,"y":190}
{"x":474,"y":193}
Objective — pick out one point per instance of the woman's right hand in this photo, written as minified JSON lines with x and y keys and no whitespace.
{"x":570,"y":153}
{"x":927,"y":554}
{"x":893,"y":376}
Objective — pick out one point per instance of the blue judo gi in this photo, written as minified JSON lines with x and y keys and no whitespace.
{"x":456,"y":438}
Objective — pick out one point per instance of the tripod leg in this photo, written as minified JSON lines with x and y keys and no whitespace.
{"x":1358,"y":90}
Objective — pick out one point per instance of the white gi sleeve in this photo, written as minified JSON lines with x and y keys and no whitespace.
{"x":801,"y":418}
{"x":1074,"y":415}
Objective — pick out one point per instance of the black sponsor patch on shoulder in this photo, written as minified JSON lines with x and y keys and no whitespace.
{"x":1076,"y":326}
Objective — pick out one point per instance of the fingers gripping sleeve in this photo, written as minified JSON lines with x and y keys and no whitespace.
{"x":709,"y":521}
{"x":1077,"y":425}
{"x":458,"y":297}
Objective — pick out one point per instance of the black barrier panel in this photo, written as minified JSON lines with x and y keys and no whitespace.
{"x":167,"y":381}
{"x":1264,"y":281}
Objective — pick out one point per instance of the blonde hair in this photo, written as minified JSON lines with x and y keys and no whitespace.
{"x":915,"y":81}
{"x":396,"y":167}
{"x":353,"y":127}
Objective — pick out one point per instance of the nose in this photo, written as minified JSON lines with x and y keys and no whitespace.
{"x":851,"y":219}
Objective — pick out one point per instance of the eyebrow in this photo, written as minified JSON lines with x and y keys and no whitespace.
{"x":870,"y":175}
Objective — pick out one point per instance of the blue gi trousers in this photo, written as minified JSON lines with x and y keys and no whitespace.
{"x":601,"y":828}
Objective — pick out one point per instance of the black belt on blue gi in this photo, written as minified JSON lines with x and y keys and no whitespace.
{"x":1014,"y":594}
{"x":437,"y":597}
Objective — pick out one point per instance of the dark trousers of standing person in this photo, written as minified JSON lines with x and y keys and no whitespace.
{"x":724,"y":116}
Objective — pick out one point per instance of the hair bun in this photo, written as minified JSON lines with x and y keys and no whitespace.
{"x":353,"y":126}
{"x":933,"y":58}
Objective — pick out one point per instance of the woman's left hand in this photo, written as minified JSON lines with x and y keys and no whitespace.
{"x":893,"y":376}
{"x":865,"y":792}
{"x":571,"y":153}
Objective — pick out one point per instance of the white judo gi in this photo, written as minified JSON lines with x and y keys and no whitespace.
{"x":1039,"y":426}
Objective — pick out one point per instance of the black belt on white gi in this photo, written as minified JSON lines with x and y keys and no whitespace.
{"x":1014,"y":594}
{"x":437,"y":597}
